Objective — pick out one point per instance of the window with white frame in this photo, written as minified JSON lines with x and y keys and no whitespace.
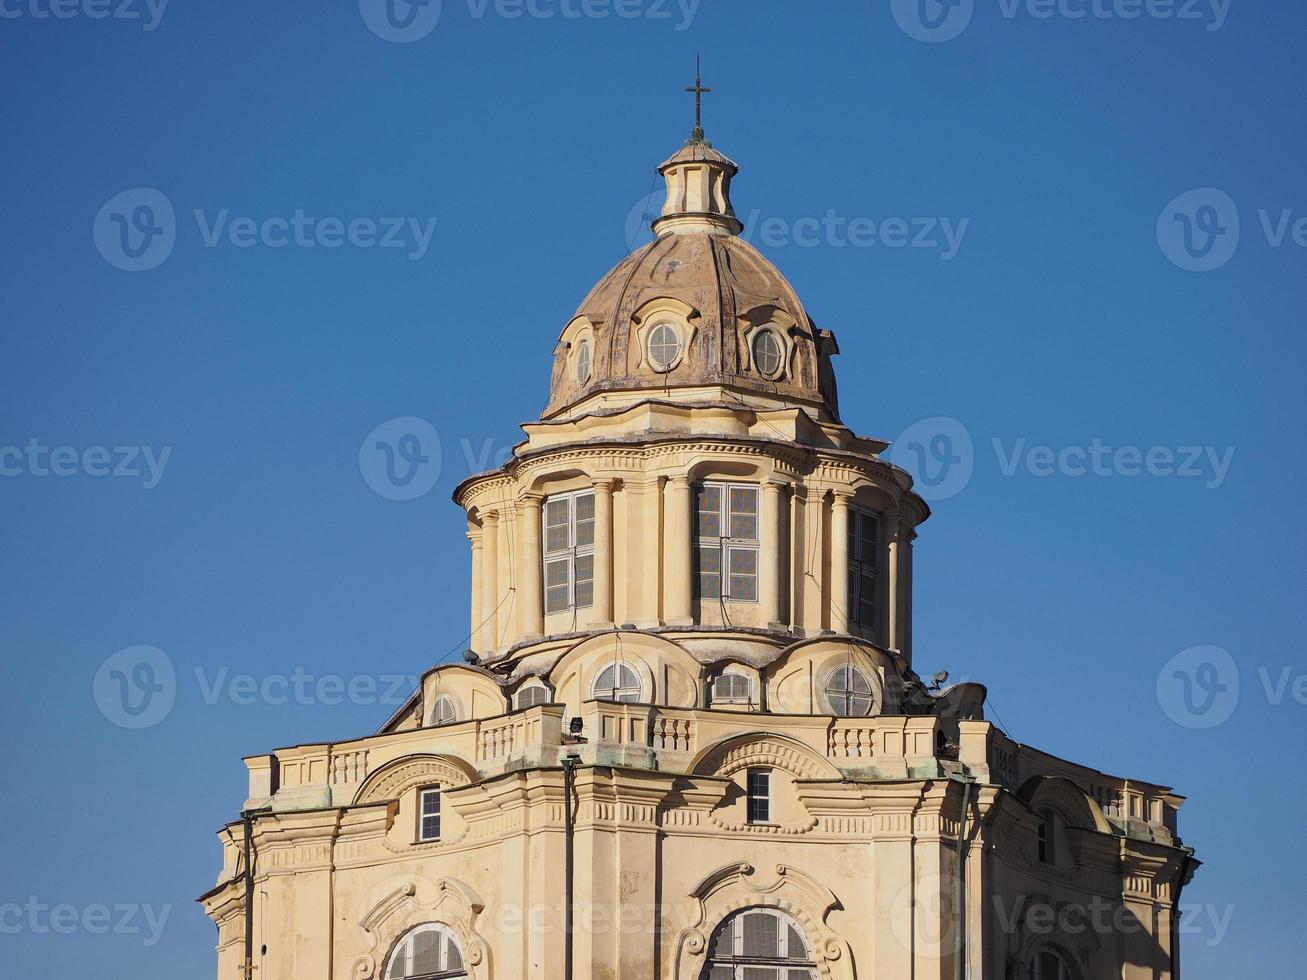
{"x":617,"y":682}
{"x":584,"y":359}
{"x":864,"y":567}
{"x":664,"y":347}
{"x":429,"y":952}
{"x":758,"y":787}
{"x":726,"y":541}
{"x":768,"y":353}
{"x":444,"y":711}
{"x":531,"y":695}
{"x":569,"y":551}
{"x":429,"y":814}
{"x":759,"y":944}
{"x":732,"y":686}
{"x":848,"y":691}
{"x":1049,"y":965}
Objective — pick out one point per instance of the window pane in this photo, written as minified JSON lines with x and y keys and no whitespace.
{"x":744,"y":574}
{"x":431,"y":802}
{"x":796,"y":949}
{"x":744,"y":513}
{"x":709,"y":573}
{"x":761,"y":973}
{"x":556,"y":538}
{"x":556,"y":585}
{"x":761,"y":935}
{"x":426,"y":953}
{"x":867,"y":599}
{"x":722,"y":973}
{"x":709,"y":513}
{"x":869,"y":539}
{"x":585,"y":573}
{"x":585,"y":520}
{"x":431,"y":827}
{"x":724,"y":945}
{"x":455,"y":961}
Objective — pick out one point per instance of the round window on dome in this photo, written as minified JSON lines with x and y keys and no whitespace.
{"x":767,"y":353}
{"x":583,"y":362}
{"x":664,"y":347}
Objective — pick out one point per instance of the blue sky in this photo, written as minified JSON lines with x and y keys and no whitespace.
{"x":232,"y":384}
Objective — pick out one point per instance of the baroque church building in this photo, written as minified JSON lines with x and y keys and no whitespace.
{"x":687,"y":742}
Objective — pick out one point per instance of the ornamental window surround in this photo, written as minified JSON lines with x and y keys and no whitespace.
{"x":726,"y":542}
{"x":532,"y":694}
{"x":767,"y":352}
{"x":759,"y":944}
{"x":864,"y":567}
{"x":429,"y":952}
{"x":569,"y":551}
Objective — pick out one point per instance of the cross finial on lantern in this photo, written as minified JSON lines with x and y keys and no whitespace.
{"x":698,"y":89}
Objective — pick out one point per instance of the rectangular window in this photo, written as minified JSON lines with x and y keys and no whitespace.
{"x":864,"y":567}
{"x":569,"y":549}
{"x":726,"y":542}
{"x":429,"y":814}
{"x":759,"y":784}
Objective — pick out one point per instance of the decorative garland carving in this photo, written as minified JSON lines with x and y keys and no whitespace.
{"x":403,"y":904}
{"x":735,"y":887}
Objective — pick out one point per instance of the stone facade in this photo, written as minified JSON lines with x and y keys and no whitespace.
{"x":690,"y":697}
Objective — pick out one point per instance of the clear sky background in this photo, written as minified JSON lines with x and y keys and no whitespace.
{"x":261,"y":550}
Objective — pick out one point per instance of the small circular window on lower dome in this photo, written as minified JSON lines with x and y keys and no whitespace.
{"x":664,"y":347}
{"x":584,"y":361}
{"x":768,"y":357}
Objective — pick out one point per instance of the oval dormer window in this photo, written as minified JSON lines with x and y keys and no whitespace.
{"x":583,"y":362}
{"x":767,"y":353}
{"x":664,"y":347}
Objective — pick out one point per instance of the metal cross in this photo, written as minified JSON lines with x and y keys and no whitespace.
{"x":698,"y":89}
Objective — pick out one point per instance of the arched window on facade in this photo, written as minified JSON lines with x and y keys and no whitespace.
{"x":429,"y":952}
{"x":759,"y":944}
{"x":1049,"y":965}
{"x":444,"y":711}
{"x":532,"y":694}
{"x":617,"y":682}
{"x":848,"y":692}
{"x":732,"y":686}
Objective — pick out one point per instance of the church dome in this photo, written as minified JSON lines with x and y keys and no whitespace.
{"x":698,"y":314}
